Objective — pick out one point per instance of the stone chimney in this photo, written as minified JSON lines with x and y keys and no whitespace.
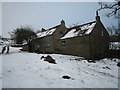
{"x":63,"y":22}
{"x":97,"y":16}
{"x":42,"y":30}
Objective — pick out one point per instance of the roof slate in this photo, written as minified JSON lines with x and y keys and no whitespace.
{"x":48,"y":32}
{"x":79,"y":30}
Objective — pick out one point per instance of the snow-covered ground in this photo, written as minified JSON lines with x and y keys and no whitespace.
{"x":27,"y":70}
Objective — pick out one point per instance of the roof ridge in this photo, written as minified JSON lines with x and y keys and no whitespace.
{"x":53,"y":27}
{"x":81,"y":25}
{"x":46,"y":30}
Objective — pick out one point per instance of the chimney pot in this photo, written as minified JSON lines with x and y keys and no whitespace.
{"x":97,"y":16}
{"x":97,"y":13}
{"x":62,"y":22}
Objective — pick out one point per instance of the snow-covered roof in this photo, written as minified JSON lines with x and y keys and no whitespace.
{"x":47,"y":32}
{"x":80,"y":30}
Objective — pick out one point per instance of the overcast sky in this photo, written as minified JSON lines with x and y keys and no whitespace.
{"x":0,"y":18}
{"x":45,"y":15}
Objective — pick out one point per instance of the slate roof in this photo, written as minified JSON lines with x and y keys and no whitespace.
{"x":47,"y":32}
{"x":79,"y":30}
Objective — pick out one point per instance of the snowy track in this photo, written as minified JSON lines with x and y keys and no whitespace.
{"x":27,"y":70}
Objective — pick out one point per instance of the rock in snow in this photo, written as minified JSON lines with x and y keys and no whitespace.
{"x":48,"y":59}
{"x":66,"y":77}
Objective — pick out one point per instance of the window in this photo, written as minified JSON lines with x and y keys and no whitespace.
{"x":63,"y":43}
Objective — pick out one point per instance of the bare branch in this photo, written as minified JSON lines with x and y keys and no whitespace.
{"x":114,"y":7}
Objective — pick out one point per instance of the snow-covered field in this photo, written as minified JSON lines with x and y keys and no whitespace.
{"x":27,"y":70}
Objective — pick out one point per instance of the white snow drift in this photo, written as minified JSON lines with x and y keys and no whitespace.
{"x":27,"y":70}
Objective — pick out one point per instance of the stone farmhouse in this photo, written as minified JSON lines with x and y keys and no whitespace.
{"x":47,"y":40}
{"x":89,"y":40}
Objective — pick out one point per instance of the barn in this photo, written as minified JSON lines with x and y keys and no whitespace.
{"x":47,"y":40}
{"x":89,"y":40}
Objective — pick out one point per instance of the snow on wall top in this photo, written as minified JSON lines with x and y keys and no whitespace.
{"x":79,"y":30}
{"x":114,"y":45}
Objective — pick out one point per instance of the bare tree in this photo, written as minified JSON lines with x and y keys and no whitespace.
{"x":114,"y":8}
{"x":23,"y":34}
{"x":114,"y":30}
